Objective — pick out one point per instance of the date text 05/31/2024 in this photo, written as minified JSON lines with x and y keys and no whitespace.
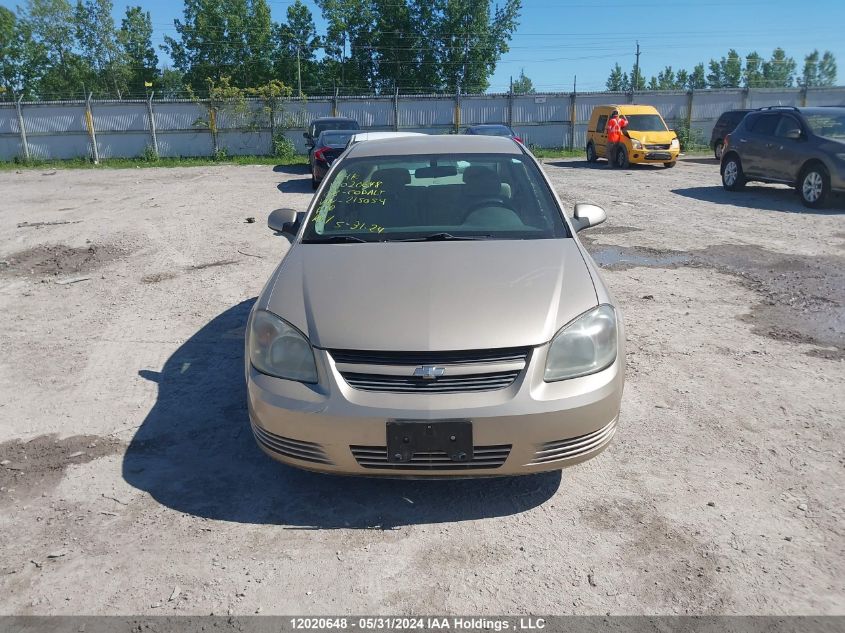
{"x":418,"y":624}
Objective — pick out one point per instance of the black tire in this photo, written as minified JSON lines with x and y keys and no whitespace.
{"x":670,"y":164}
{"x":717,"y":150}
{"x":733,"y":178}
{"x":814,"y":186}
{"x":621,"y":160}
{"x":314,"y":182}
{"x":592,"y":157}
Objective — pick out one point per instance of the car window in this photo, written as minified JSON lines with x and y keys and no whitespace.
{"x":827,"y":125}
{"x":786,"y":125}
{"x":601,"y":123}
{"x":645,"y":123}
{"x":765,"y":124}
{"x":499,"y":130}
{"x":490,"y":196}
{"x":322,"y":126}
{"x":335,"y":138}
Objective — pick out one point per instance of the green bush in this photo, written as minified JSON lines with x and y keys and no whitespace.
{"x":689,"y":138}
{"x":283,"y":147}
{"x":220,"y":155}
{"x":149,"y":154}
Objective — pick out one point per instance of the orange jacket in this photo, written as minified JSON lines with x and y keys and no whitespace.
{"x":614,"y":129}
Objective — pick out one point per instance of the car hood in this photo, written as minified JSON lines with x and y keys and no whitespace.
{"x":426,"y":296}
{"x":652,"y":137}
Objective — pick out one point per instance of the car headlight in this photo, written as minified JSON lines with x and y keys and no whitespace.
{"x":278,"y":349}
{"x":636,"y":144}
{"x":675,"y":144}
{"x":585,"y":346}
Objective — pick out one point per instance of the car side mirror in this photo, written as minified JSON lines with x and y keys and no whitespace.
{"x":283,"y":221}
{"x":587,"y":215}
{"x":793,"y":134}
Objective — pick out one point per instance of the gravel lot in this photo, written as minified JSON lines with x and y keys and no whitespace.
{"x":130,"y":483}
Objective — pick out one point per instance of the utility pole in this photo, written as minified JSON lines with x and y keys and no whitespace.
{"x":298,"y":72}
{"x":636,"y":81}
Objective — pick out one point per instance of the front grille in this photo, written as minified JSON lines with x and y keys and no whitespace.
{"x":464,"y":371}
{"x":445,"y":384}
{"x":464,"y":357}
{"x":296,"y":449}
{"x":658,"y":156}
{"x":573,"y":447}
{"x":658,"y":146}
{"x":483,"y":457}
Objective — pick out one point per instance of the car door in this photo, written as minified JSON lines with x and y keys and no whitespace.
{"x":755,"y":142}
{"x":788,"y":152}
{"x":601,"y":136}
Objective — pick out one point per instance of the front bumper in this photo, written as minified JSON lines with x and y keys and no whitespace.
{"x":638,"y":156}
{"x":529,"y":427}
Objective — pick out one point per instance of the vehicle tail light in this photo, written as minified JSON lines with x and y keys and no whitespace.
{"x":319,"y":154}
{"x":517,"y":139}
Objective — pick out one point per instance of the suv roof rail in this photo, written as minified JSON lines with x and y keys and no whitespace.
{"x":779,"y":107}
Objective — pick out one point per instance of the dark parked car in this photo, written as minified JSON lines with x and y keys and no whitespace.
{"x":330,"y":144}
{"x":725,"y":125}
{"x":318,"y":126}
{"x":800,"y":147}
{"x":492,"y":129}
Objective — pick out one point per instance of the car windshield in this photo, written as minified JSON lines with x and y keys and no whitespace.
{"x":322,"y":126}
{"x":827,"y":125}
{"x":645,"y":123}
{"x":335,"y":138}
{"x":435,"y":197}
{"x":496,"y":130}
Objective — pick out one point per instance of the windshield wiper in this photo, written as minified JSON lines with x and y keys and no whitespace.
{"x":444,"y":237}
{"x":337,"y":239}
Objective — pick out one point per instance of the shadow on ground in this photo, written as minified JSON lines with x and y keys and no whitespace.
{"x":300,"y":185}
{"x":701,"y":160}
{"x":602,"y":164}
{"x":195,"y":453}
{"x":761,"y":197}
{"x":292,"y":169}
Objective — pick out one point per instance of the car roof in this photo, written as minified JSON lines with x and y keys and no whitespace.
{"x":376,"y":136}
{"x":489,"y":125}
{"x":437,"y":144}
{"x":333,"y":118}
{"x":632,"y":108}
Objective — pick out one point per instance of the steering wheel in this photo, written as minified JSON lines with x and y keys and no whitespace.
{"x":492,"y":201}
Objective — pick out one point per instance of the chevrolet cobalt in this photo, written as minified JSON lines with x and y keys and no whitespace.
{"x":435,"y":316}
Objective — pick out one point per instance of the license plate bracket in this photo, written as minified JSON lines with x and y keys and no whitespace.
{"x":405,"y":438}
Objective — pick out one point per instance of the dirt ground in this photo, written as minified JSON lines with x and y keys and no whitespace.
{"x":130,"y":483}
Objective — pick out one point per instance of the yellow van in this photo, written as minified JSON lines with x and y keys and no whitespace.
{"x":645,"y":140}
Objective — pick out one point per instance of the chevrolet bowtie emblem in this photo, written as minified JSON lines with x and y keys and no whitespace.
{"x":427,"y":372}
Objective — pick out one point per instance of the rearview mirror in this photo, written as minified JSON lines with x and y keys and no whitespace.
{"x":282,"y":221}
{"x":587,"y":215}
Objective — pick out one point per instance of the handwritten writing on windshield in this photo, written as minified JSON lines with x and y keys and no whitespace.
{"x":355,"y":190}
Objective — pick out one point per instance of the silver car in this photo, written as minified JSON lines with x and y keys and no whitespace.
{"x":435,"y":315}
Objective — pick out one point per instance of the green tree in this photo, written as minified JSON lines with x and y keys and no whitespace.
{"x":614,"y":81}
{"x":170,"y":84}
{"x":107,"y":69}
{"x":682,"y":79}
{"x":222,"y":38}
{"x":697,"y":79}
{"x":725,"y":73}
{"x":827,"y":70}
{"x":653,"y":84}
{"x":779,"y":70}
{"x":296,"y":42}
{"x":135,"y":36}
{"x":523,"y":85}
{"x":753,"y":73}
{"x":666,"y":79}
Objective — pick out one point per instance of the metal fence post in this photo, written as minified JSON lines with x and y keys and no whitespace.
{"x":744,"y":102}
{"x":92,"y":134}
{"x":457,"y":118}
{"x":572,"y":111}
{"x":804,"y":96}
{"x":396,"y":110}
{"x":24,"y":144}
{"x":689,"y":108}
{"x":152,"y":118}
{"x":510,"y":106}
{"x":334,"y":103}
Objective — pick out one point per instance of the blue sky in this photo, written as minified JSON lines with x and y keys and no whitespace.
{"x":559,"y":39}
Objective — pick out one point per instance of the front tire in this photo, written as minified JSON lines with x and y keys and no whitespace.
{"x":592,"y":157}
{"x":718,"y":149}
{"x":814,"y":186}
{"x":733,"y":178}
{"x":622,"y":161}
